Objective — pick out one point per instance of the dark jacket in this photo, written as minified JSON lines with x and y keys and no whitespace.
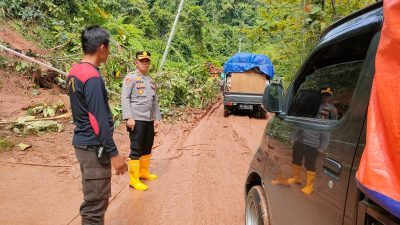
{"x":90,"y":110}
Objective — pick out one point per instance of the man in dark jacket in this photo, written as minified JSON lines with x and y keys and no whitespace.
{"x":93,"y":135}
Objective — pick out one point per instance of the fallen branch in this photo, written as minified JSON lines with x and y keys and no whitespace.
{"x":60,"y":46}
{"x":169,"y":130}
{"x":194,"y":145}
{"x":156,"y":146}
{"x":35,"y":164}
{"x":63,"y":116}
{"x":176,"y":156}
{"x":200,"y":150}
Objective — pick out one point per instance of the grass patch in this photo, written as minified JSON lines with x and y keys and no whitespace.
{"x":3,"y":62}
{"x":6,"y":145}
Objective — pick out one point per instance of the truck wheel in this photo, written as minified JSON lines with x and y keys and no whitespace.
{"x":256,"y":207}
{"x":263,"y":114}
{"x":226,"y":113}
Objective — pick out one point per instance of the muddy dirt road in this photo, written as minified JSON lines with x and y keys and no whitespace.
{"x":203,"y":183}
{"x":201,"y":172}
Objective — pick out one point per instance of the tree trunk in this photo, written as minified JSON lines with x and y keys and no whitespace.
{"x":333,"y":3}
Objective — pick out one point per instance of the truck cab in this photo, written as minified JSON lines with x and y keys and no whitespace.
{"x":304,"y":170}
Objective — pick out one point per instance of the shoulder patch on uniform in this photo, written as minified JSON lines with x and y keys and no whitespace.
{"x":127,"y":80}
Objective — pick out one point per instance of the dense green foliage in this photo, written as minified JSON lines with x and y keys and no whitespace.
{"x":208,"y":31}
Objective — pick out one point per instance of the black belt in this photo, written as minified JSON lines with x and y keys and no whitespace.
{"x":92,"y":148}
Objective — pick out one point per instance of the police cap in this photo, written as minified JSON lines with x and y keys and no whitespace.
{"x":143,"y":55}
{"x":327,"y":90}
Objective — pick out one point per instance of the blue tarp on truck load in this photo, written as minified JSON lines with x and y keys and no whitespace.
{"x":242,"y":62}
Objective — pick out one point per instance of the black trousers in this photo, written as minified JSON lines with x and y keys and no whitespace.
{"x":96,"y":186}
{"x":310,"y":154}
{"x":142,"y":139}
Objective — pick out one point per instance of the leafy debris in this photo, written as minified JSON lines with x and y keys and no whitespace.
{"x":44,"y":110}
{"x":28,"y":125}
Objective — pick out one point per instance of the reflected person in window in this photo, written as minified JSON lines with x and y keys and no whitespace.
{"x":308,"y":142}
{"x":327,"y":110}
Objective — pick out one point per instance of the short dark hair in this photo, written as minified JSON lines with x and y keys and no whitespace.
{"x":93,"y":37}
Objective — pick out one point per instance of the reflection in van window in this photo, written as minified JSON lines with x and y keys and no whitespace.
{"x":338,"y":81}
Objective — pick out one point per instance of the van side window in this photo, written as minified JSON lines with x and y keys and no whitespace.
{"x":339,"y":81}
{"x":333,"y":70}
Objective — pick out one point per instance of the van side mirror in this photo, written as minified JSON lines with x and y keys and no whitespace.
{"x":273,"y":98}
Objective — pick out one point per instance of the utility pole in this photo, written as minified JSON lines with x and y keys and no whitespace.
{"x":164,"y":58}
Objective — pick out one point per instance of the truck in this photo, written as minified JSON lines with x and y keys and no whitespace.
{"x":244,"y":80}
{"x":304,"y":171}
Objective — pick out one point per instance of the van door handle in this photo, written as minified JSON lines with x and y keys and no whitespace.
{"x":332,"y":168}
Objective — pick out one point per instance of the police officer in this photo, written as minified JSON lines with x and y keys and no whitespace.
{"x":307,"y":143}
{"x":141,"y":112}
{"x":93,"y":135}
{"x":327,"y":110}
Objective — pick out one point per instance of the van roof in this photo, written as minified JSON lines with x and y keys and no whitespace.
{"x":363,"y":16}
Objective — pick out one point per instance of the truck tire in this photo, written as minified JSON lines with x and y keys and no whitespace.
{"x":256,"y":207}
{"x":226,"y":113}
{"x":263,"y":114}
{"x":259,"y":113}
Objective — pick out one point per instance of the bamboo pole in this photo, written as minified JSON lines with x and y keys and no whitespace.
{"x":32,"y":60}
{"x":164,"y":58}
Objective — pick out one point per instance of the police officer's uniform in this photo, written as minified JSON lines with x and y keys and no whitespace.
{"x":139,"y":102}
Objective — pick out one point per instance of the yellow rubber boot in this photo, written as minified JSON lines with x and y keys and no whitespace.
{"x":296,"y":175}
{"x":309,"y":188}
{"x":280,"y":179}
{"x":144,"y":168}
{"x":134,"y":180}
